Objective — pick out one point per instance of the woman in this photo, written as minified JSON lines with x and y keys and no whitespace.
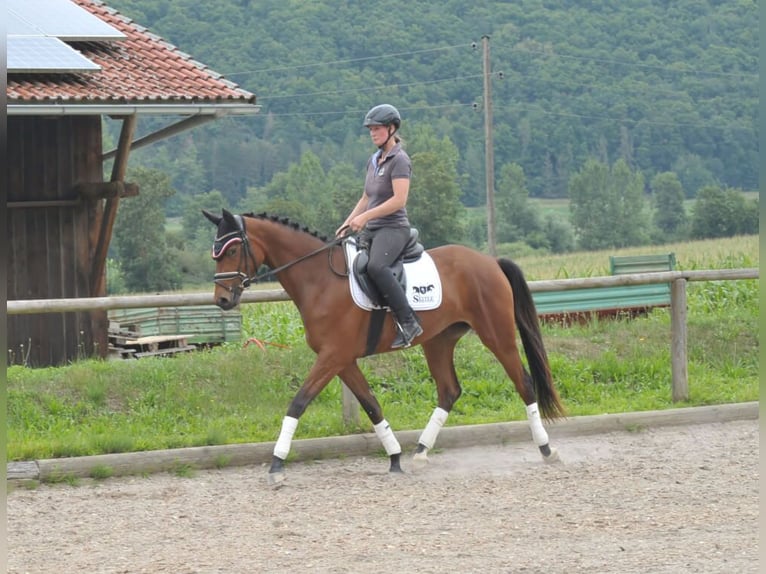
{"x":382,"y":213}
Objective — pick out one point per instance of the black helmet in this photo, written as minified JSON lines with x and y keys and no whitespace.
{"x":383,"y":115}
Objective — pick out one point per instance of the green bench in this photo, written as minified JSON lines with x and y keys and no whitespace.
{"x":604,"y":301}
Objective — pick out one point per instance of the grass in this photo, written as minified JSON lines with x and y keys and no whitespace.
{"x":232,"y":394}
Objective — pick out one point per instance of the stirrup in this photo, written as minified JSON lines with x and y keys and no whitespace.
{"x":404,"y":339}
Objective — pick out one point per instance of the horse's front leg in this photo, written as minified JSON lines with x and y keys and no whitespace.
{"x":321,"y":373}
{"x":357,"y":384}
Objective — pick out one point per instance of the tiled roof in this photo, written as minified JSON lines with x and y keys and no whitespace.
{"x":141,"y":69}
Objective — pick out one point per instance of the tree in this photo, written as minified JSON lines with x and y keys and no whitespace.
{"x":140,"y":242}
{"x":607,"y":206}
{"x":433,"y":205}
{"x":668,"y":195}
{"x":197,"y":231}
{"x":693,"y":173}
{"x":302,"y":193}
{"x":515,"y":218}
{"x":723,"y":213}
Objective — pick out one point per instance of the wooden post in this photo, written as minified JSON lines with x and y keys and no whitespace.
{"x":350,"y":406}
{"x":98,"y":278}
{"x":678,"y":359}
{"x":489,"y":153}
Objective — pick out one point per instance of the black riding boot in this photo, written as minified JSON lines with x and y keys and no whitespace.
{"x":408,"y":330}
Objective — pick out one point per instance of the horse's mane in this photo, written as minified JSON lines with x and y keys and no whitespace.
{"x":288,"y":223}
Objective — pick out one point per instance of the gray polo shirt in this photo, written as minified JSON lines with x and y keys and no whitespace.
{"x":378,"y":185}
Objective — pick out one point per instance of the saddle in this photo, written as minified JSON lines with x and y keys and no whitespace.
{"x":415,"y":271}
{"x":412,"y":251}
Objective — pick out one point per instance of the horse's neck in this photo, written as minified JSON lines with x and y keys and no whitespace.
{"x":300,"y":278}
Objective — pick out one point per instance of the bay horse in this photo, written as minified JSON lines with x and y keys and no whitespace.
{"x":481,"y":293}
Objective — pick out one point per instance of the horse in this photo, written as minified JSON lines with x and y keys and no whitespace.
{"x":481,"y":293}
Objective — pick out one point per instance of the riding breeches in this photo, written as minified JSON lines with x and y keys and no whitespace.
{"x":386,"y":246}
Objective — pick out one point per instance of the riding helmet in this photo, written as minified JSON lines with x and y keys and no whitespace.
{"x":383,"y":115}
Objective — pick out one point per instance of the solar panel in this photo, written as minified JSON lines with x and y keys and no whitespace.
{"x":19,"y":27}
{"x":43,"y":54}
{"x":60,"y":18}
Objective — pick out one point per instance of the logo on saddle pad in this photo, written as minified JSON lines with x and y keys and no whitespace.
{"x":423,"y":293}
{"x":421,"y":278}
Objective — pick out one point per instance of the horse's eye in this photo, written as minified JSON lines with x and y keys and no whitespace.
{"x":231,"y":252}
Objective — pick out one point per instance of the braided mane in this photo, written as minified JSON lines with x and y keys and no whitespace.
{"x":288,"y":223}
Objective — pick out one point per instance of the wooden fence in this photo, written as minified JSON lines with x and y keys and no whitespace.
{"x":677,"y":279}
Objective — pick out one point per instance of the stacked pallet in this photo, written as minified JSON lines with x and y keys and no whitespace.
{"x":126,"y":344}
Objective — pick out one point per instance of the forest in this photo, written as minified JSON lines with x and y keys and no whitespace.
{"x":666,"y":85}
{"x":654,"y":87}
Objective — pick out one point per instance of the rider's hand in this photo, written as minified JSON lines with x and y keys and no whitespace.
{"x":358,"y":223}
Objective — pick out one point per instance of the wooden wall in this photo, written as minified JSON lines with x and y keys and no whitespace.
{"x":49,"y":235}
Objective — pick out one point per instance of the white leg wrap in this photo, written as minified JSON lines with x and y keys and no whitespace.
{"x":282,"y":448}
{"x":536,"y":425}
{"x":387,"y":438}
{"x":435,"y":424}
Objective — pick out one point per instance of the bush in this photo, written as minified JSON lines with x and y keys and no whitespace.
{"x":723,"y":213}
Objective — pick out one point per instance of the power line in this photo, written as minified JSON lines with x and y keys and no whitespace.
{"x":474,"y":76}
{"x":633,"y":64}
{"x":473,"y":105}
{"x":623,"y":120}
{"x":368,"y":89}
{"x":519,"y":107}
{"x":349,"y":60}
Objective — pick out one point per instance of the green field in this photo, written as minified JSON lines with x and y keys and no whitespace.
{"x":232,"y":394}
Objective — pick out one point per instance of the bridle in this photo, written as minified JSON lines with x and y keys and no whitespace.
{"x":223,"y":242}
{"x":221,"y":245}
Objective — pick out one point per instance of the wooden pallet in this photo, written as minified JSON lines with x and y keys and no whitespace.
{"x":159,"y":345}
{"x":124,"y":344}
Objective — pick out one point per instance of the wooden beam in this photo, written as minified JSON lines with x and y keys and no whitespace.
{"x":93,"y":191}
{"x":83,"y":192}
{"x":98,"y":278}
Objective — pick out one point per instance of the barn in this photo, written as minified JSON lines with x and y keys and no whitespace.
{"x":70,"y":65}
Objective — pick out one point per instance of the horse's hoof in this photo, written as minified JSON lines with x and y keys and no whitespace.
{"x":276,"y":479}
{"x":553,"y":457}
{"x":420,"y":458}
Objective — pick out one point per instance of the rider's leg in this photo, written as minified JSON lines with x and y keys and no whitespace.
{"x":387,"y":245}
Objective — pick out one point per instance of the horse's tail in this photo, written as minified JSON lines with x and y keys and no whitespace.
{"x":531,"y":337}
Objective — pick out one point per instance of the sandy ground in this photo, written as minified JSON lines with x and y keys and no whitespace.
{"x":668,"y":500}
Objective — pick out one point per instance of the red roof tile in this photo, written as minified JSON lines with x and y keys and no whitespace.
{"x":141,"y":69}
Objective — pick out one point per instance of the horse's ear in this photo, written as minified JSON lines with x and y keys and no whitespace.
{"x":229,"y":218}
{"x":215,"y":219}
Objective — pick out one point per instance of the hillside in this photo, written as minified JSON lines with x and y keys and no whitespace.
{"x":666,"y":85}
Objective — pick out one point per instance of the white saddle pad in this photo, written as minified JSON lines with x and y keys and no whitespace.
{"x":424,"y":287}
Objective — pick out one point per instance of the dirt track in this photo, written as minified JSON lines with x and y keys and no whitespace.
{"x":669,"y":500}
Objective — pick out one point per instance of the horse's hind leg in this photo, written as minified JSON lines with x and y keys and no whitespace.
{"x":357,"y":384}
{"x":439,"y":352}
{"x":506,"y":351}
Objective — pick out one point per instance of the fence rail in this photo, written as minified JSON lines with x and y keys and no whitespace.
{"x":31,"y":306}
{"x":677,"y":279}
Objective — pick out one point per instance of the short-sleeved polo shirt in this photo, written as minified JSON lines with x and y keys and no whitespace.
{"x":378,"y":185}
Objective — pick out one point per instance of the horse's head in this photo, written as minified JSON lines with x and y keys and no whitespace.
{"x":235,"y":261}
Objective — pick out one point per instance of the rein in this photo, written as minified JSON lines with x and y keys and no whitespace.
{"x":328,"y":245}
{"x":247,"y":254}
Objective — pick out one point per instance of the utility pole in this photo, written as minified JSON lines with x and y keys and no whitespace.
{"x":489,"y":154}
